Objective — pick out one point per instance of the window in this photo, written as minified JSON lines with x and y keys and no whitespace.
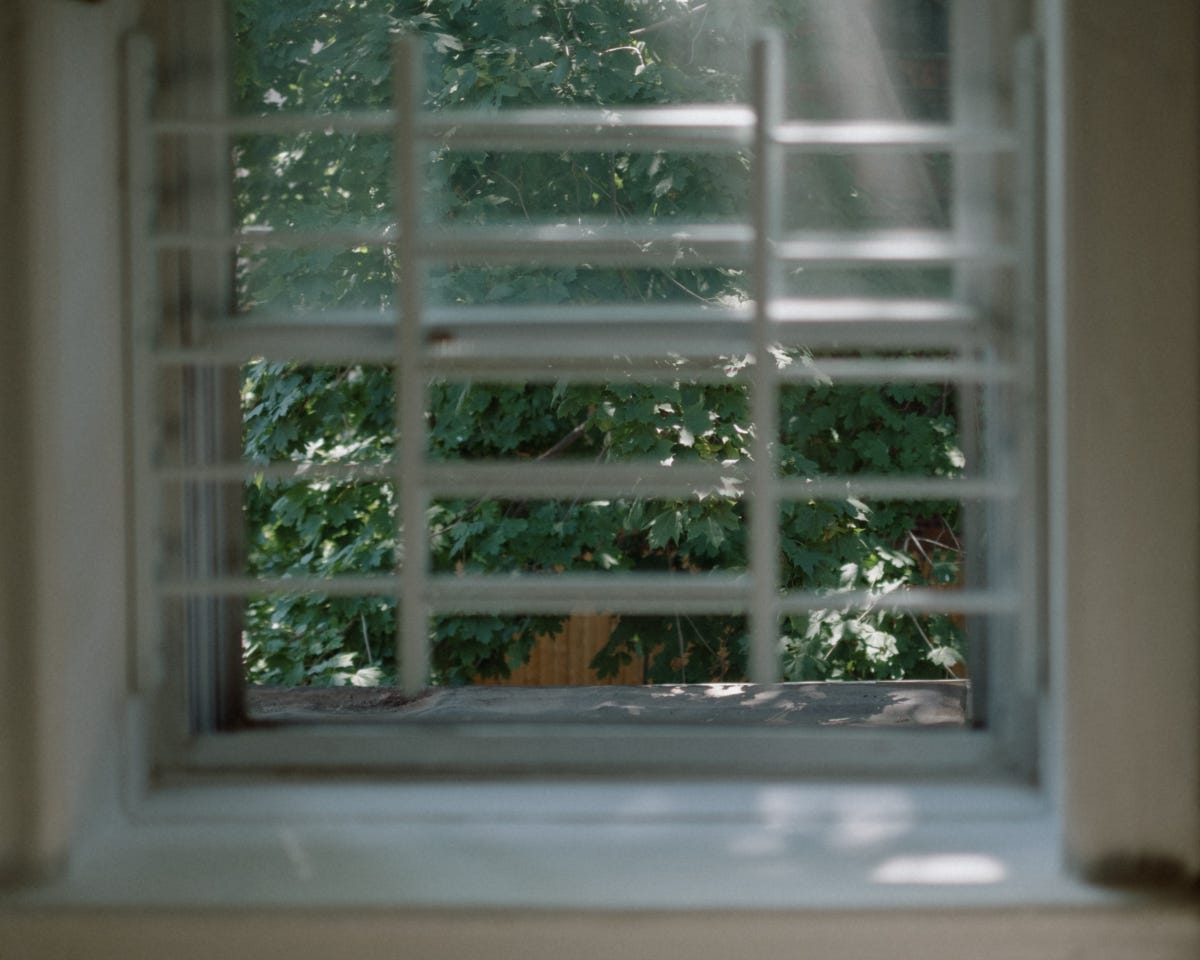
{"x":1120,"y":776}
{"x":723,"y":322}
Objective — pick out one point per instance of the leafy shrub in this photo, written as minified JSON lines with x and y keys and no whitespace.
{"x":329,"y":55}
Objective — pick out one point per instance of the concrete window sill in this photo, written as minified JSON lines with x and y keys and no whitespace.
{"x":575,"y":844}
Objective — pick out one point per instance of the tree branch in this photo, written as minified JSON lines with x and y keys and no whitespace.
{"x":566,"y":441}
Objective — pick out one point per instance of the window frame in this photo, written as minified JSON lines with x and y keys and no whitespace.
{"x":209,"y":736}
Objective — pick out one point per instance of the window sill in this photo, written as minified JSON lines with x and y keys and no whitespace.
{"x":576,"y":845}
{"x":867,"y":704}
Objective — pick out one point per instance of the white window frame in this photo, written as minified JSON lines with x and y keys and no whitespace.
{"x":1006,"y":747}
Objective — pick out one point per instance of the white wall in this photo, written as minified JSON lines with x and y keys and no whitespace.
{"x":64,"y":551}
{"x":1132,"y":476}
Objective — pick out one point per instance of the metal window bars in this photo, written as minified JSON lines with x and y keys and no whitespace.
{"x":980,"y":341}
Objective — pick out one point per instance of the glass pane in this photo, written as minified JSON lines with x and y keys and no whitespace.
{"x":847,"y":61}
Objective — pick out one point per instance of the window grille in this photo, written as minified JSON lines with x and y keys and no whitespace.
{"x":980,"y":340}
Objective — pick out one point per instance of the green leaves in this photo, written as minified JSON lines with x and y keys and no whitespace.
{"x":330,"y":55}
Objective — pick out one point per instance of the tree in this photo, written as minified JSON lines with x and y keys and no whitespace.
{"x":328,"y":55}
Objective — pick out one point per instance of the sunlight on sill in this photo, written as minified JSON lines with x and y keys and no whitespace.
{"x":941,"y":870}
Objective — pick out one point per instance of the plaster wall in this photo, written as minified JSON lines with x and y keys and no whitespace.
{"x":1131,"y":535}
{"x":64,"y":561}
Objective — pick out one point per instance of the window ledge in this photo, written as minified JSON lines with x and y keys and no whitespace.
{"x":917,"y":703}
{"x":577,"y":845}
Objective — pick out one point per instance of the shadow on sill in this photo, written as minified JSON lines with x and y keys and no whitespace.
{"x":905,"y":703}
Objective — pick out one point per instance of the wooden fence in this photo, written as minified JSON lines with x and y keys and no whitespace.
{"x":564,"y":659}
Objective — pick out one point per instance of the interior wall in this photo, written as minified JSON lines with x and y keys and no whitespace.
{"x":65,"y":562}
{"x":13,"y":529}
{"x":1153,"y":933}
{"x":1135,"y":216}
{"x":1131,"y":540}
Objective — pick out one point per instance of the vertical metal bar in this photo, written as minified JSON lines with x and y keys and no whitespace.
{"x":1028,"y":663}
{"x":764,"y":506}
{"x":213,"y":521}
{"x":972,"y":106}
{"x":146,"y":670}
{"x":408,"y":376}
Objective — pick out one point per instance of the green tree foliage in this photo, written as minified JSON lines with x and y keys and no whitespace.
{"x":325,"y":56}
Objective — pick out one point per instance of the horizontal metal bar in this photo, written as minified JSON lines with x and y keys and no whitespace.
{"x":486,"y":478}
{"x":679,"y":127}
{"x":455,"y":335}
{"x":900,"y":370}
{"x":726,"y":244}
{"x":700,"y":127}
{"x":608,"y":244}
{"x":562,"y":358}
{"x":621,"y":346}
{"x":702,"y":369}
{"x":337,"y":320}
{"x":526,"y":479}
{"x":277,"y":471}
{"x":532,"y":479}
{"x":889,"y":246}
{"x":599,"y":243}
{"x":720,"y":330}
{"x":895,"y":488}
{"x":678,"y":316}
{"x":645,"y":330}
{"x":692,"y":127}
{"x":853,"y":310}
{"x":506,"y":361}
{"x":511,"y":480}
{"x":345,"y":585}
{"x":296,"y":344}
{"x":858,"y":135}
{"x":644,"y":593}
{"x":594,"y":243}
{"x":504,"y":481}
{"x":666,"y":369}
{"x":497,"y":593}
{"x":277,"y":124}
{"x":661,"y":363}
{"x":334,"y":238}
{"x":914,"y":600}
{"x":446,"y":361}
{"x":715,"y":593}
{"x":790,"y":312}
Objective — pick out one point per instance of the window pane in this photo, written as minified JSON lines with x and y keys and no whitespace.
{"x":590,"y":306}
